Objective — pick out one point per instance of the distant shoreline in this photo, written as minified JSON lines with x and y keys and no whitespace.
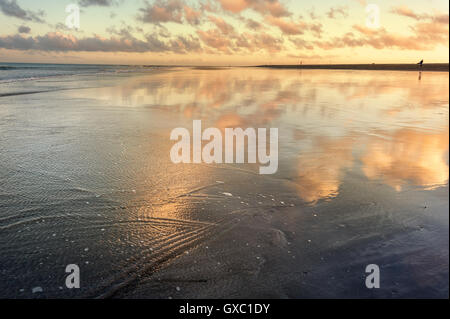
{"x":437,"y":67}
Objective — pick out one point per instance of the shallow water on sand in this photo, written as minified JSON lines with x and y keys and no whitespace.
{"x":86,"y":179}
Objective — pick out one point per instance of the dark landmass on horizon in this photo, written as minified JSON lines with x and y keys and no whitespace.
{"x":441,"y":67}
{"x":438,"y":67}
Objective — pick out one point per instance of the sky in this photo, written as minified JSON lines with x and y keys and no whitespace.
{"x":224,"y":32}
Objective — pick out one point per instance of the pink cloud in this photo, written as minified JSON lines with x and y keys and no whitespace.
{"x":223,"y":26}
{"x":287,"y":27}
{"x":192,"y":16}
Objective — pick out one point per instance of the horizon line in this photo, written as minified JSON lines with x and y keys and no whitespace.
{"x":230,"y":65}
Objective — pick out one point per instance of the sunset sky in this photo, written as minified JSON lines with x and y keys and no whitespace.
{"x":224,"y":32}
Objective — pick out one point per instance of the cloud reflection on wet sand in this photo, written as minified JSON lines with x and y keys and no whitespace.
{"x":393,"y":123}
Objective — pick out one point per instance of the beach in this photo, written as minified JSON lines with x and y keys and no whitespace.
{"x":86,"y":178}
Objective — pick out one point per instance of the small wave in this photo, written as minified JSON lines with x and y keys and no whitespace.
{"x":5,"y":68}
{"x":23,"y":93}
{"x":21,"y":67}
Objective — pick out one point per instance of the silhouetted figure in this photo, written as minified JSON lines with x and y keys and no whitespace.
{"x":420,"y":63}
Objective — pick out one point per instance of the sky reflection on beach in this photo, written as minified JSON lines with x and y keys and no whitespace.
{"x":387,"y":126}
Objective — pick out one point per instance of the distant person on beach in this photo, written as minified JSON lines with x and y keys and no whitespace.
{"x":420,"y":63}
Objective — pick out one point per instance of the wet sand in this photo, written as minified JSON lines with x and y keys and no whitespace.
{"x":438,"y":67}
{"x":306,"y":253}
{"x":86,"y":178}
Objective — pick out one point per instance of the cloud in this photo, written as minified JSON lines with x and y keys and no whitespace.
{"x":192,"y":16}
{"x":263,"y":41}
{"x":59,"y":42}
{"x":426,"y":36}
{"x":295,"y":28}
{"x":441,"y":18}
{"x":362,"y":2}
{"x":208,"y":6}
{"x":163,"y":11}
{"x":101,"y":3}
{"x":312,"y":14}
{"x":12,"y":9}
{"x":185,"y":44}
{"x":239,"y":43}
{"x":214,"y":39}
{"x":125,"y":31}
{"x":405,"y":11}
{"x":315,"y":28}
{"x":301,"y":43}
{"x":335,"y":12}
{"x":223,"y":26}
{"x":264,"y":7}
{"x":24,"y":29}
{"x":252,"y":24}
{"x":287,"y":27}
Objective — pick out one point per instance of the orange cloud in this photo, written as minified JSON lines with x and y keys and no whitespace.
{"x":426,"y":36}
{"x":408,"y":12}
{"x":271,"y":7}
